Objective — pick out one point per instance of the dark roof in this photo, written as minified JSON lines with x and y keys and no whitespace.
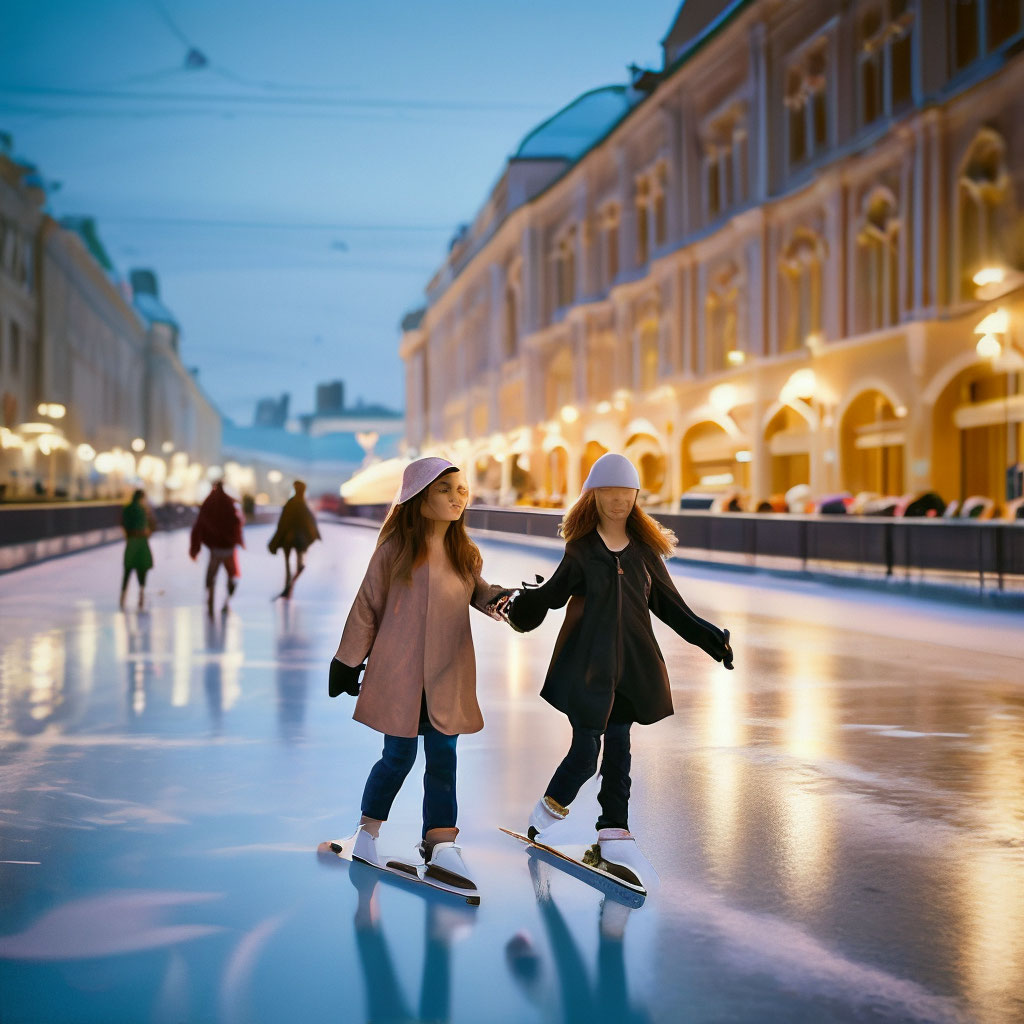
{"x":152,"y":310}
{"x":85,"y":228}
{"x":413,"y":318}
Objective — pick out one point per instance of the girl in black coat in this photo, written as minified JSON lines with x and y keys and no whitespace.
{"x":607,"y":670}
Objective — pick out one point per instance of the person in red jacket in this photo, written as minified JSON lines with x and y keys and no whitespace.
{"x":219,"y":527}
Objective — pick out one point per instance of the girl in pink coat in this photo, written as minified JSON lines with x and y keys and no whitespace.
{"x":409,"y":629}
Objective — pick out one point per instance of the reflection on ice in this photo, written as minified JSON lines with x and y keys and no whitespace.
{"x":108,"y":925}
{"x":837,"y":823}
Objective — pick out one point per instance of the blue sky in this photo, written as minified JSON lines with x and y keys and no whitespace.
{"x":295,"y":194}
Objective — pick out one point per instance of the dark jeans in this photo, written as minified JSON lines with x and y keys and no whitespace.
{"x":440,"y":808}
{"x":580,"y":764}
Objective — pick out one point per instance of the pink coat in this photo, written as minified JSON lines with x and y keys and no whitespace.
{"x":418,"y":639}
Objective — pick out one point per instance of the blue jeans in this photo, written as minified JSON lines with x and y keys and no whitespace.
{"x":580,"y":764}
{"x":440,"y":808}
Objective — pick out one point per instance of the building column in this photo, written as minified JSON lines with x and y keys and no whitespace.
{"x":627,"y":210}
{"x":673,"y":126}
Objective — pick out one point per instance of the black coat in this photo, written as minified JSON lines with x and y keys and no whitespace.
{"x":606,"y":655}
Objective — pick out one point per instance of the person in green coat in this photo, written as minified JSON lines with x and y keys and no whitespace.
{"x":138,"y":523}
{"x":296,"y":531}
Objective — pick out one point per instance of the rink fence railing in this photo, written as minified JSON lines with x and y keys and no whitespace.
{"x":990,"y":552}
{"x":33,"y":533}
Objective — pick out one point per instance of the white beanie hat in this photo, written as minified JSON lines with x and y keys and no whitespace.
{"x":612,"y":470}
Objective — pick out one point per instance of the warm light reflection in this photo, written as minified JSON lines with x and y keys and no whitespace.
{"x":514,"y":666}
{"x":993,"y":898}
{"x":810,"y":731}
{"x":231,"y":662}
{"x":724,"y":732}
{"x":88,"y":627}
{"x":46,"y":675}
{"x":182,"y":657}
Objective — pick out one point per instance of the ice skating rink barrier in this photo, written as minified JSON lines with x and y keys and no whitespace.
{"x":33,"y":533}
{"x":987,"y":554}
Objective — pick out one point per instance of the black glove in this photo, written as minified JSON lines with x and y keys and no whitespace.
{"x":344,"y":679}
{"x":521,"y":612}
{"x":727,"y":655}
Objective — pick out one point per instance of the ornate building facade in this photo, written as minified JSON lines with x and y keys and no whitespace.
{"x":791,"y":256}
{"x":94,"y":399}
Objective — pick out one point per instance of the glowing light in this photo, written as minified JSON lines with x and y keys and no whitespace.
{"x":569,"y":413}
{"x":901,"y":411}
{"x":9,"y":439}
{"x":716,"y":480}
{"x":54,"y":410}
{"x":85,"y":452}
{"x":274,"y":476}
{"x":801,"y":384}
{"x":744,"y":456}
{"x":723,"y":397}
{"x":604,"y":407}
{"x":105,"y":462}
{"x":167,"y":447}
{"x":735,"y":357}
{"x":997,"y":322}
{"x":138,"y":445}
{"x":990,"y":275}
{"x":35,"y":428}
{"x":988,"y":347}
{"x":213,"y":473}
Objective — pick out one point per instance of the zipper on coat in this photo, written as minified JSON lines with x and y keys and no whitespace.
{"x":618,"y":619}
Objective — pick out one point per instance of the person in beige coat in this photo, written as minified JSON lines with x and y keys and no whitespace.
{"x":409,"y":630}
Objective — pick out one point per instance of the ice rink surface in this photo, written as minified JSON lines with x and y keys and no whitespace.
{"x":838,"y":824}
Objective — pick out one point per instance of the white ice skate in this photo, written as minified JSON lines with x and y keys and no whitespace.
{"x":365,"y":848}
{"x":445,"y":865}
{"x":444,"y":871}
{"x":545,"y":813}
{"x":620,"y":856}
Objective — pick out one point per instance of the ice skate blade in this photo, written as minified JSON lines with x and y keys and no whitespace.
{"x":411,"y":873}
{"x":620,"y":889}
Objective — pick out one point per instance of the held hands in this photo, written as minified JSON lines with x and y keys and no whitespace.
{"x":507,"y":612}
{"x":344,"y":679}
{"x":496,"y":607}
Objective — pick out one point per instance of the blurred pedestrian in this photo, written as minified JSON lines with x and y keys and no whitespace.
{"x":138,"y":522}
{"x":219,"y":527}
{"x":409,"y":628}
{"x":607,"y":671}
{"x":296,"y":531}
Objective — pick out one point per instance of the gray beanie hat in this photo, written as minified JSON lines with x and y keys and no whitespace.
{"x":612,"y":470}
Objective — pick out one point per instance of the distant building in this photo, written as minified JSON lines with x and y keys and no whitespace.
{"x":95,"y":400}
{"x":272,"y":412}
{"x":323,"y":448}
{"x":330,"y":398}
{"x":792,"y":255}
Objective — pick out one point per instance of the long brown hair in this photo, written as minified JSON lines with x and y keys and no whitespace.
{"x":584,"y":517}
{"x":407,"y":524}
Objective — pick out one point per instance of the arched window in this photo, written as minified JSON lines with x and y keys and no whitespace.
{"x":801,"y":277}
{"x":722,"y":317}
{"x":983,"y":214}
{"x":647,"y":370}
{"x":609,"y":235}
{"x":559,"y":382}
{"x":877,"y":263}
{"x":511,"y":326}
